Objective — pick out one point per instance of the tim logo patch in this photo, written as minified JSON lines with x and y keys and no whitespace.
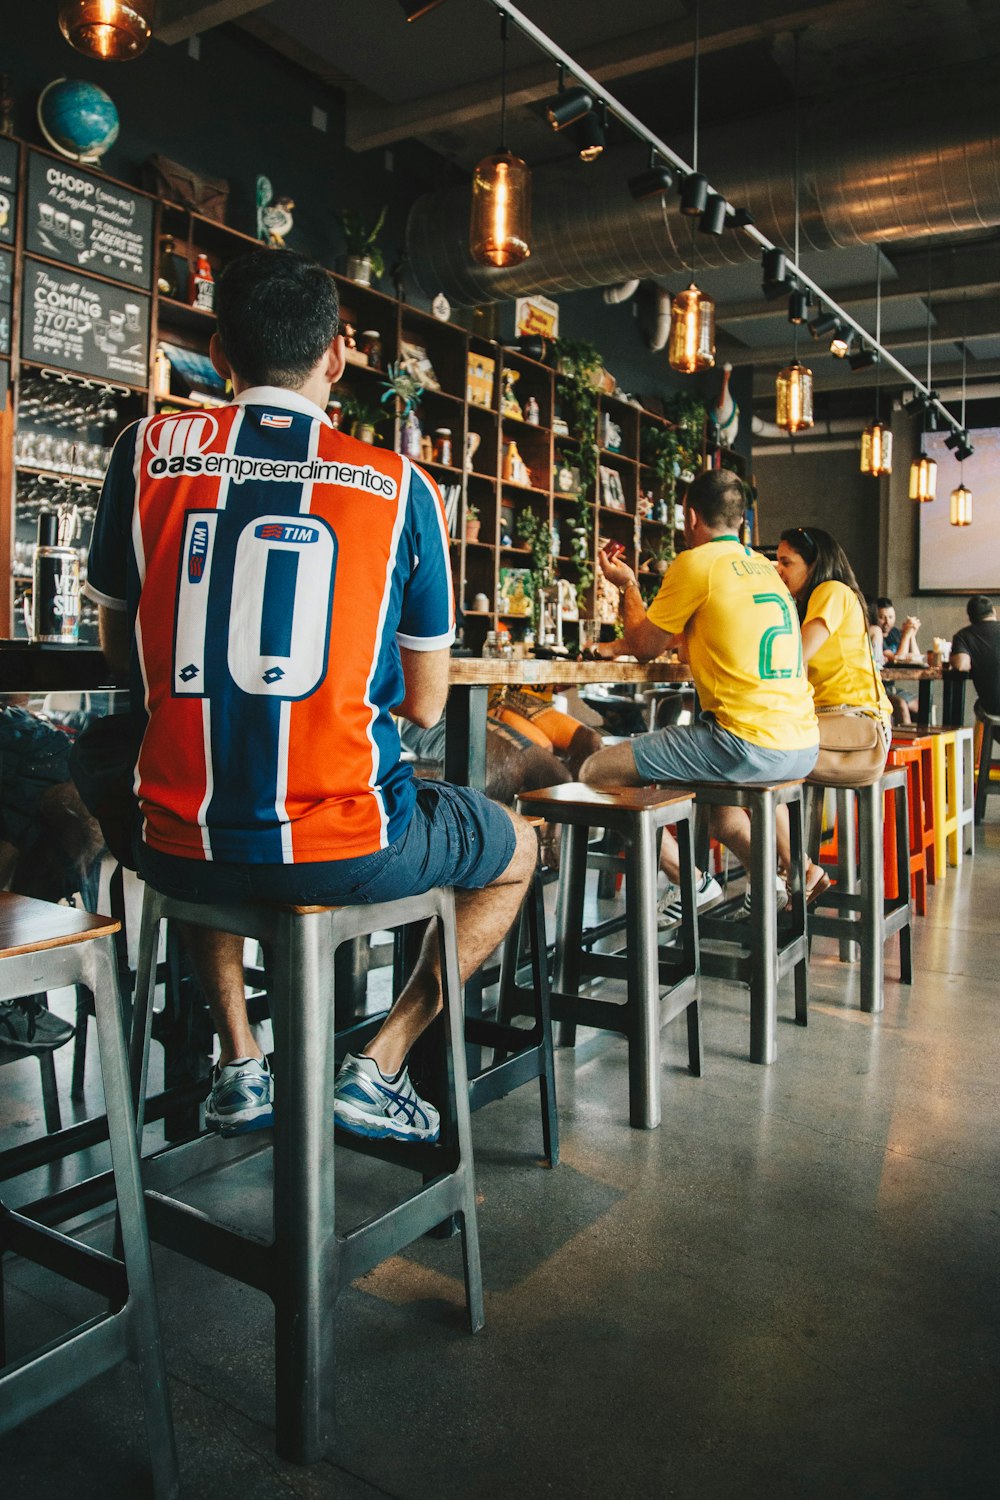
{"x":270,"y":419}
{"x":197,"y":552}
{"x":280,"y":531}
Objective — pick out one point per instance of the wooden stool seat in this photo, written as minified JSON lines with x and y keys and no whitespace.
{"x":578,"y":797}
{"x":29,"y":926}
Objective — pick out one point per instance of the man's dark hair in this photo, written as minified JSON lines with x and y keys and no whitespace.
{"x":277,"y":312}
{"x":979,"y":607}
{"x":718,"y":497}
{"x":884,"y":602}
{"x":827,"y":562}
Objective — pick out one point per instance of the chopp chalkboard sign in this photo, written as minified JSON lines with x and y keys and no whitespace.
{"x":86,"y":222}
{"x":77,"y":323}
{"x":8,"y":190}
{"x":6,"y":276}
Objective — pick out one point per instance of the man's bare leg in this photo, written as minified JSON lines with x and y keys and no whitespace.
{"x":483,"y":919}
{"x":615,"y":766}
{"x":218,"y":962}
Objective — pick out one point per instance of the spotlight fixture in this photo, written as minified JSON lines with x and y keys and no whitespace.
{"x":568,"y":107}
{"x":824,"y":324}
{"x":111,"y":30}
{"x":840,"y":343}
{"x":589,"y":136}
{"x":775,"y":280}
{"x":694,"y":194}
{"x":500,"y":217}
{"x":713,"y":218}
{"x":414,"y":9}
{"x":923,"y":470}
{"x":863,"y":358}
{"x":961,"y":506}
{"x":798,"y":306}
{"x":794,"y":398}
{"x":953,"y":439}
{"x":692,"y":332}
{"x":739,"y":218}
{"x":965,"y":449}
{"x":656,"y":180}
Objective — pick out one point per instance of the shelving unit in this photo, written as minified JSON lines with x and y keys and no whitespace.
{"x":479,"y":473}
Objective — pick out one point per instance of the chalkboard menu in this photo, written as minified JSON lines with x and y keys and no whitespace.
{"x":8,"y":190}
{"x":6,"y":290}
{"x":77,"y":323}
{"x":84,"y":221}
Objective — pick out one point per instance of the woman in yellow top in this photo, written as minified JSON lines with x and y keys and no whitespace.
{"x":836,"y":646}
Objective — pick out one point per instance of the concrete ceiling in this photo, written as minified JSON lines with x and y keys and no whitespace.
{"x":437,"y":80}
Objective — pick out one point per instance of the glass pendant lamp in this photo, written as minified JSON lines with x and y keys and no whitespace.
{"x":876,"y":450}
{"x":692,"y":332}
{"x":923,"y":470}
{"x":961,"y":506}
{"x":500,"y":217}
{"x":794,"y":398}
{"x":112,"y":30}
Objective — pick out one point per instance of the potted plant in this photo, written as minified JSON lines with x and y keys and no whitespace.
{"x":661,"y":553}
{"x":472,"y":523}
{"x":662,"y":452}
{"x":364,"y":255}
{"x":360,"y":419}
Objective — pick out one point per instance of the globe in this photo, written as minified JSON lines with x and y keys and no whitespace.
{"x":78,"y":119}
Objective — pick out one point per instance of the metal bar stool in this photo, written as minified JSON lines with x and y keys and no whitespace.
{"x":306,"y":1263}
{"x":861,"y":913}
{"x":43,"y":947}
{"x":634,"y":814}
{"x":758,"y":952}
{"x":985,"y":785}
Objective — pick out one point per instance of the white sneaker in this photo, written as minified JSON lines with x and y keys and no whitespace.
{"x":708,"y":893}
{"x":367,"y":1103}
{"x":781,"y":892}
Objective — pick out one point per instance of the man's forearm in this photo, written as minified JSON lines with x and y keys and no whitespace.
{"x":642,"y":638}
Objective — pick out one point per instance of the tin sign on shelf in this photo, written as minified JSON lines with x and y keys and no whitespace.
{"x":536,"y":315}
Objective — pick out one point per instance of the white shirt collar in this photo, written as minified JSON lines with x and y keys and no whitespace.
{"x":276,"y":395}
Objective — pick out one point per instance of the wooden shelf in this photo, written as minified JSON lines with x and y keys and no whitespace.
{"x":59,"y":474}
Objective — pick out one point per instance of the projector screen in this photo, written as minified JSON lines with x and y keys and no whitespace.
{"x":963,"y":559}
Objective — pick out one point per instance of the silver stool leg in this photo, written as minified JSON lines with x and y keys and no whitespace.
{"x":569,"y":921}
{"x":847,"y":862}
{"x":644,"y":978}
{"x":305,"y":1243}
{"x":101,"y":966}
{"x":870,"y":800}
{"x":764,"y":934}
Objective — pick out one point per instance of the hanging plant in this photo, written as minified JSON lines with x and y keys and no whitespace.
{"x":663,"y":451}
{"x":578,"y":371}
{"x":689,"y":414}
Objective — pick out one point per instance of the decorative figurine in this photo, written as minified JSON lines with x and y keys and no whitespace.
{"x":509,"y":404}
{"x":274,"y":215}
{"x":531,"y":411}
{"x":725,"y":414}
{"x":441,"y":307}
{"x":515,"y":470}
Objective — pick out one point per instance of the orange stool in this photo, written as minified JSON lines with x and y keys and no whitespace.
{"x":910,"y":756}
{"x":923,"y":741}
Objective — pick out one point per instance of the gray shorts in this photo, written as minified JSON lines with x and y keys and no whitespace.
{"x":706,"y":752}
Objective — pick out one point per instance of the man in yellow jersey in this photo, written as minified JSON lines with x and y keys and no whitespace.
{"x":726,"y":606}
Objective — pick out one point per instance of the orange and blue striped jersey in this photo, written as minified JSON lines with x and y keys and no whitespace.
{"x":270,"y":567}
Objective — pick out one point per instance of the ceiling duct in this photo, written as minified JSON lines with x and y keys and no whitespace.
{"x":932,"y":166}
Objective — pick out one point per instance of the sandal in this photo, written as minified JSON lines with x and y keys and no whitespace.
{"x":817,"y":881}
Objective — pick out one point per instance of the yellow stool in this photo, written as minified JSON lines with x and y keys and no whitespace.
{"x":947,"y":775}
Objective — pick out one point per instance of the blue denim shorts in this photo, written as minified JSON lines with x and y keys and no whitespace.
{"x":455,"y":837}
{"x":706,"y":752}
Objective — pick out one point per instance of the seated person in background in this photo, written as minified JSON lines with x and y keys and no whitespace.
{"x":727,"y":607}
{"x":875,"y":634}
{"x":530,"y":712}
{"x":976,"y":649}
{"x":277,"y":590}
{"x":835,"y":640}
{"x":898,"y":645}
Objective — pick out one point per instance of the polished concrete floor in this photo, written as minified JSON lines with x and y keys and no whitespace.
{"x":790,"y":1289}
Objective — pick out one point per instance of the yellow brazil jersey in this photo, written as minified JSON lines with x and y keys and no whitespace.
{"x":743,"y":642}
{"x":842,"y":671}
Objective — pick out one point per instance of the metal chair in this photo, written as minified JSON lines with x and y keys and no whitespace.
{"x":634,"y":814}
{"x":985,"y":785}
{"x":44,"y":947}
{"x":305,"y":1264}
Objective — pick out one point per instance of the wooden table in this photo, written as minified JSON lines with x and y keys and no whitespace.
{"x":471,"y":678}
{"x":952,"y":689}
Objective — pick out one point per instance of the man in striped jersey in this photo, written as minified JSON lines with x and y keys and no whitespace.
{"x":277,"y":590}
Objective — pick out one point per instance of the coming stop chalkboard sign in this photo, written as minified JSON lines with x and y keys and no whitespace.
{"x":78,"y":323}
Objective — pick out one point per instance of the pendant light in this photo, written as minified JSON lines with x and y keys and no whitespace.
{"x":876,"y":440}
{"x":923,"y":470}
{"x":692,"y":312}
{"x":112,"y":30}
{"x":794,"y":386}
{"x":500,"y":221}
{"x":961,"y":498}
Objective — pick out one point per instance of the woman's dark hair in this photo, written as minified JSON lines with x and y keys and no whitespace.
{"x":827,"y":562}
{"x":277,"y":312}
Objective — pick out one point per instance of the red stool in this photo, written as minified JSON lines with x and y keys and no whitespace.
{"x":912,"y":757}
{"x":906,"y":739}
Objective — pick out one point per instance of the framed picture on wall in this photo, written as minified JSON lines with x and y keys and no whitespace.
{"x":612,"y":492}
{"x":962,"y":559}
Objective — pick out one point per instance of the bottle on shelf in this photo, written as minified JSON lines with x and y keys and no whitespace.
{"x":201,"y":284}
{"x":161,"y":372}
{"x":167,"y":281}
